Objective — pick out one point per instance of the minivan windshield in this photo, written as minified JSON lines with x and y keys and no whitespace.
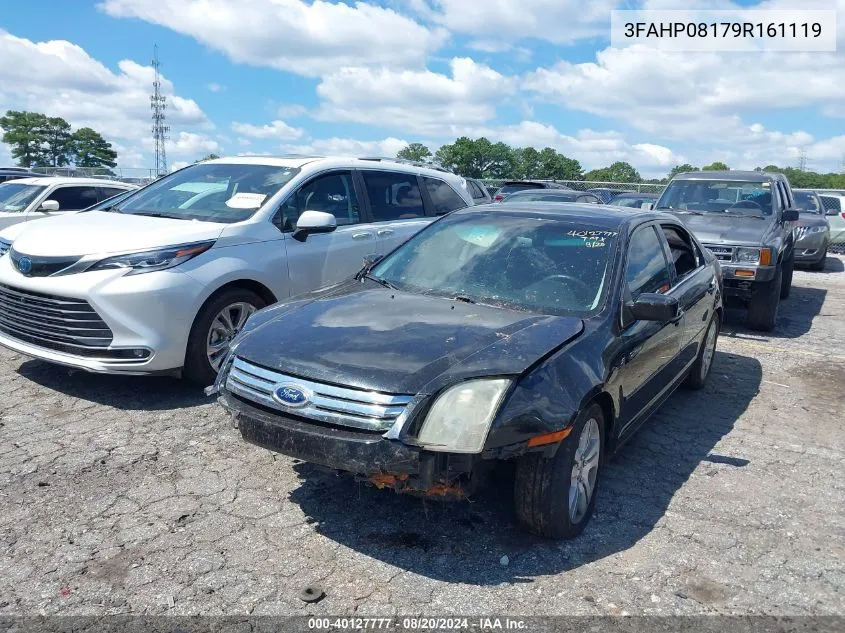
{"x":15,"y":197}
{"x":211,"y":192}
{"x":718,"y":196}
{"x":544,"y":265}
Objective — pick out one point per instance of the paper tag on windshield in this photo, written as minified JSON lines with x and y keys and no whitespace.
{"x":246,"y":201}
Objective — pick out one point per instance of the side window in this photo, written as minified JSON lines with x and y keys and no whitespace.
{"x":685,"y":255}
{"x":108,"y":192}
{"x":647,"y":270}
{"x":74,"y":198}
{"x":331,"y":193}
{"x":443,"y":197}
{"x":393,"y":195}
{"x":476,"y":190}
{"x":588,"y":198}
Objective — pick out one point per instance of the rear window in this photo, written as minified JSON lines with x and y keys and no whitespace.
{"x":522,"y":186}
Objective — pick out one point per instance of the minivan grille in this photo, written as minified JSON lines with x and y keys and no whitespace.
{"x":722,"y":253}
{"x":342,"y":406}
{"x":40,"y":266}
{"x":58,"y":323}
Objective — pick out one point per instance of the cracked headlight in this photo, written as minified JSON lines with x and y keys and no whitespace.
{"x":460,"y":417}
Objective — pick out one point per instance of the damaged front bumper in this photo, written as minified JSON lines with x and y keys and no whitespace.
{"x":383,"y":462}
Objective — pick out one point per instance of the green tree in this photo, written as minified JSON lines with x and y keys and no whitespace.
{"x":24,"y":132}
{"x":90,"y":149}
{"x":528,"y":163}
{"x":619,"y":171}
{"x":716,"y":166}
{"x":680,"y":169}
{"x":56,"y":142}
{"x":211,"y":156}
{"x":477,"y":158}
{"x":416,"y":152}
{"x":458,"y":157}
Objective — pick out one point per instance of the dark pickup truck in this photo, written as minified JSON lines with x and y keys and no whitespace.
{"x":746,"y":219}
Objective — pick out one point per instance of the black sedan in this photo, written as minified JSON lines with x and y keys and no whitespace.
{"x":551,"y":195}
{"x":538,"y":332}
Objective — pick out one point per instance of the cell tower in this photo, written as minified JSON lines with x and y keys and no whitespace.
{"x":802,"y":161}
{"x":158,"y":104}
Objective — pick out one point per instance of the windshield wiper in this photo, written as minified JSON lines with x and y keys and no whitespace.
{"x":379,"y":280}
{"x":744,"y":215}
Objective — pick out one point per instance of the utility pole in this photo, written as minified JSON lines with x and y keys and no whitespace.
{"x":158,"y":104}
{"x":802,"y":161}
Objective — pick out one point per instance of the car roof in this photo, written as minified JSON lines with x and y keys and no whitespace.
{"x":46,"y":181}
{"x":733,"y":174}
{"x":549,"y":184}
{"x":548,"y":192}
{"x":603,"y":215}
{"x":298,"y":161}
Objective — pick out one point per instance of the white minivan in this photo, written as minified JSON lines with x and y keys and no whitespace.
{"x":161,"y":281}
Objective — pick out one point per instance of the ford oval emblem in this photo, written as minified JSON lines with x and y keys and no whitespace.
{"x":25,"y":265}
{"x":291,"y":395}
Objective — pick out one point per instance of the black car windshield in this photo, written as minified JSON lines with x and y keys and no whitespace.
{"x":212,"y":192}
{"x":636,"y":203}
{"x":545,"y":195}
{"x":16,"y":197}
{"x":807,"y":202}
{"x":718,"y":196}
{"x":544,"y":265}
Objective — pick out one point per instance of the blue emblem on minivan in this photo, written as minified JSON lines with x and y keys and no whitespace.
{"x":291,"y":395}
{"x":25,"y":265}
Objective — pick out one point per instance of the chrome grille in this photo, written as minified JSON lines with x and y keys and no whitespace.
{"x":800,"y":232}
{"x":342,"y":406}
{"x":58,"y":323}
{"x":722,"y":253}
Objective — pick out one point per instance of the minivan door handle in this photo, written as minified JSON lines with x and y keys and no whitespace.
{"x":383,"y":232}
{"x":361,"y":236}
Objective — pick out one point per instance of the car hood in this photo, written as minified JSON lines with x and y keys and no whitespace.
{"x":731,"y":229}
{"x":811,"y":219}
{"x":99,"y":232}
{"x":398,"y":342}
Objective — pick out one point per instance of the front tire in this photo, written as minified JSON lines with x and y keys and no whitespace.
{"x":217,"y":323}
{"x":763,"y":307}
{"x":704,"y":362}
{"x":555,"y":497}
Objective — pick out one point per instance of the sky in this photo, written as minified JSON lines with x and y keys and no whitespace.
{"x":368,"y":77}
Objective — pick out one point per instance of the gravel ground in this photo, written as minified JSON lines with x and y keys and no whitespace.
{"x":127,"y":495}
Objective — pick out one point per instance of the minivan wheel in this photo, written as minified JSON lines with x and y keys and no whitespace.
{"x":763,"y":307}
{"x":216,"y":325}
{"x":555,"y":497}
{"x":704,"y":363}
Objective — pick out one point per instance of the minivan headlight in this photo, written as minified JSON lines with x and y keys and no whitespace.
{"x":460,"y":417}
{"x":149,"y":261}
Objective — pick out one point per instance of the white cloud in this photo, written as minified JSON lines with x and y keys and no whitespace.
{"x":421,"y":102}
{"x":292,"y":35}
{"x":348,"y":147}
{"x":291,"y":111}
{"x":215,"y":87}
{"x":275,"y":130}
{"x":179,"y":164}
{"x":557,"y":21}
{"x":60,"y":79}
{"x":190,"y":144}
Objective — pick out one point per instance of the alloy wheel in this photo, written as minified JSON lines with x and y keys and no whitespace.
{"x":224,"y":327}
{"x":585,"y":469}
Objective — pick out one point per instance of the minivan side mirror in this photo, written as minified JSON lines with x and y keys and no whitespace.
{"x":49,"y":205}
{"x":313,"y":222}
{"x":790,"y":215}
{"x":653,"y":306}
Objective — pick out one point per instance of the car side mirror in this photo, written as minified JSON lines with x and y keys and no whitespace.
{"x":313,"y":222}
{"x":49,"y":205}
{"x":653,"y":306}
{"x":790,"y":215}
{"x":648,"y":206}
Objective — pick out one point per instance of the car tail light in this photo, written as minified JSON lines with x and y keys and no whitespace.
{"x":842,"y":215}
{"x":499,"y":197}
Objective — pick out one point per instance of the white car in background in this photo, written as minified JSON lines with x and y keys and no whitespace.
{"x":35,"y":198}
{"x":164,"y":279}
{"x":834,"y":207}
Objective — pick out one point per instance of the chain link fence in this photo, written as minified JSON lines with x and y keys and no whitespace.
{"x":137,"y":176}
{"x":584,"y":185}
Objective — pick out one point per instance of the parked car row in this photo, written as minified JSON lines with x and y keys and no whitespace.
{"x":375,"y":318}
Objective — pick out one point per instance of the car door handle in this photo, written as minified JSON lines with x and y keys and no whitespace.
{"x":383,"y":232}
{"x":361,"y":236}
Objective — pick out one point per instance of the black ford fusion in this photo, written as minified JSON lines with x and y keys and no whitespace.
{"x":537,"y":332}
